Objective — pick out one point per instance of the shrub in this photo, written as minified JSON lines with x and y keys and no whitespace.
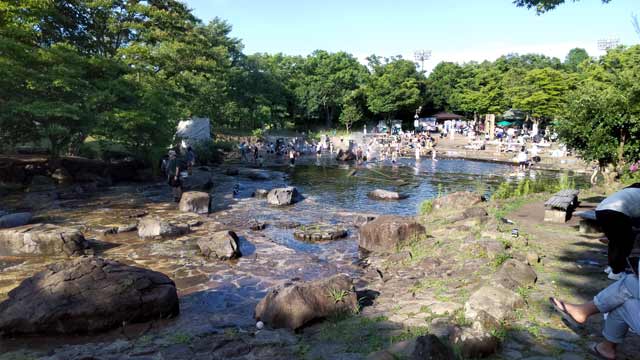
{"x":426,"y":207}
{"x":502,"y":192}
{"x":208,"y":152}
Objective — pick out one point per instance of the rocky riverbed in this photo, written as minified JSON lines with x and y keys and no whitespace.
{"x":439,"y":280}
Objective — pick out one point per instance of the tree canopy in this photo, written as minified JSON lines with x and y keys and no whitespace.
{"x":542,"y":6}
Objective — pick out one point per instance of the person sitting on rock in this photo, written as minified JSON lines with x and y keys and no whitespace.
{"x":616,"y":215}
{"x":621,"y":300}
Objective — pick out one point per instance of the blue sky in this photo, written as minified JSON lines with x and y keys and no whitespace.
{"x":455,"y":30}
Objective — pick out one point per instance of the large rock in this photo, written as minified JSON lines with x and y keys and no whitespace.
{"x":294,"y":305}
{"x":386,"y":233}
{"x":195,"y":202}
{"x":155,"y":227}
{"x":474,"y":343}
{"x":198,"y":181}
{"x":379,"y":194}
{"x":193,"y":131}
{"x":42,"y":239}
{"x":14,"y":220}
{"x":514,"y":274}
{"x":87,"y":295}
{"x":430,"y":347}
{"x":457,"y":200}
{"x":222,"y":245}
{"x":496,"y":301}
{"x":283,"y":196}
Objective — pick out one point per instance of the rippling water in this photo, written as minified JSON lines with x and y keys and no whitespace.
{"x":337,"y":187}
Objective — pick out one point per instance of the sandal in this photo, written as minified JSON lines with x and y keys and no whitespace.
{"x":593,"y":350}
{"x":562,"y":309}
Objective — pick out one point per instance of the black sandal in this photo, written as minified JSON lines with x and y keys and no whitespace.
{"x":562,"y":309}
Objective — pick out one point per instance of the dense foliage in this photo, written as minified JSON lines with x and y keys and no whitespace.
{"x":125,"y":71}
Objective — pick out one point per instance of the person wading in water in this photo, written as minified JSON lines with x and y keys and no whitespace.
{"x":173,"y":176}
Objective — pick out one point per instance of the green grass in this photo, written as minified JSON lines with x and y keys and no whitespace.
{"x":180,"y":338}
{"x":338,"y":295}
{"x":357,"y":334}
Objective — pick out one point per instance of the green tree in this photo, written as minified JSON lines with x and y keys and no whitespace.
{"x":602,"y":117}
{"x":394,"y":85}
{"x":442,"y":84}
{"x":574,"y":58}
{"x":542,"y":6}
{"x":542,"y":93}
{"x":328,"y":77}
{"x":351,"y":111}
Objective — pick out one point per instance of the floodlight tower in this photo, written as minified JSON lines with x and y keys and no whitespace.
{"x":606,"y":44}
{"x":422,"y":56}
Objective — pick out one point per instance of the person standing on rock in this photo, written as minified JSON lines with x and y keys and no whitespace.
{"x":191,"y":159}
{"x":173,"y":175}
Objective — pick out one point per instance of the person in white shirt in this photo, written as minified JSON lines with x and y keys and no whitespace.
{"x":523,"y":158}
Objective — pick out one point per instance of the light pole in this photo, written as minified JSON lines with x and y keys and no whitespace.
{"x":606,"y":44}
{"x":422,"y":56}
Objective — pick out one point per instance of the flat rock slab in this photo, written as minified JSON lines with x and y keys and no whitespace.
{"x":42,"y":239}
{"x":87,"y":295}
{"x":150,"y":227}
{"x":319,"y":233}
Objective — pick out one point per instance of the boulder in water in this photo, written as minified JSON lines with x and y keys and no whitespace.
{"x":14,"y":220}
{"x":223,"y":245}
{"x":283,"y":196}
{"x":87,"y":295}
{"x":294,"y":305}
{"x":387,"y":233}
{"x":379,"y":194}
{"x":42,"y":239}
{"x":154,"y":226}
{"x":196,"y":202}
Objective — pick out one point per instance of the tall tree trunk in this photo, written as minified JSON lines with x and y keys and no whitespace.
{"x":328,"y":116}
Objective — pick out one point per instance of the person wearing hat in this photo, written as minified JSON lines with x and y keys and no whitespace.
{"x":173,"y":175}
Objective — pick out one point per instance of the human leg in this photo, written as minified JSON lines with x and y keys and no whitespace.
{"x":617,"y":228}
{"x":617,"y":294}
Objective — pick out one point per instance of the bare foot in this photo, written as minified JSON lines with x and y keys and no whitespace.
{"x":606,"y":349}
{"x":575,"y":311}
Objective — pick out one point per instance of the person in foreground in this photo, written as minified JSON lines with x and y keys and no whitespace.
{"x":621,"y":300}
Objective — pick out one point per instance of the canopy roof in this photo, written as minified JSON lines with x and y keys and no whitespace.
{"x":447,"y":116}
